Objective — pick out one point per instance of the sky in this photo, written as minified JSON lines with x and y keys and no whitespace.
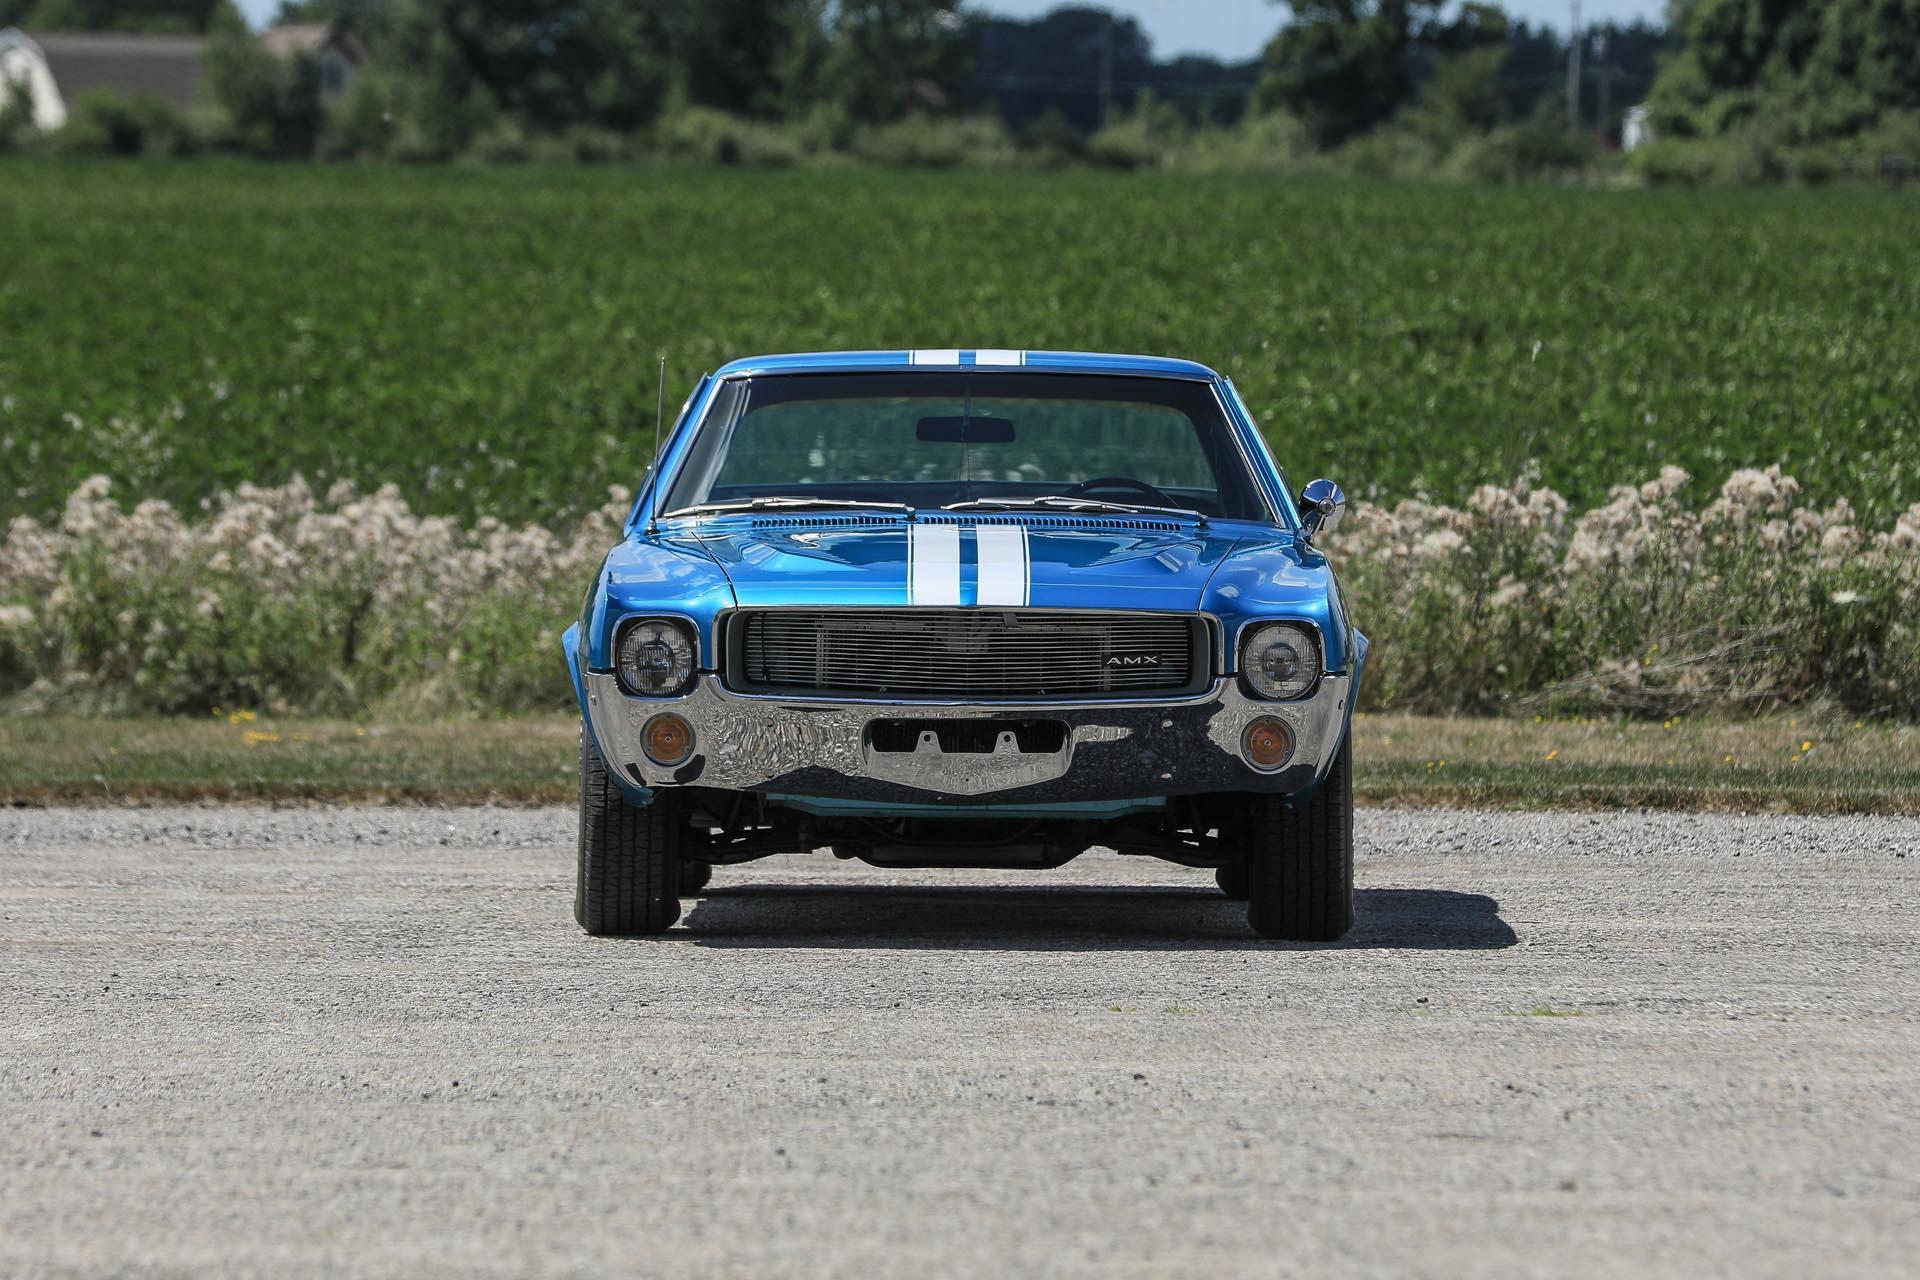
{"x":1231,"y":30}
{"x":1234,"y":30}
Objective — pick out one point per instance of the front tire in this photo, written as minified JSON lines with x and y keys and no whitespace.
{"x":629,"y":870}
{"x":1300,"y":860}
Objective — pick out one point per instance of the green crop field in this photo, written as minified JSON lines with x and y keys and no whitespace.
{"x":487,"y":339}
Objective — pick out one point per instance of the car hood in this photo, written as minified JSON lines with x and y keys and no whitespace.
{"x":1060,"y":562}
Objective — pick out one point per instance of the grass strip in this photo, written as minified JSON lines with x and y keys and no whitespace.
{"x":1802,"y":764}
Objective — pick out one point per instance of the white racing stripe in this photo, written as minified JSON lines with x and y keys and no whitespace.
{"x":933,"y":564}
{"x":991,"y":356}
{"x":1004,"y":570}
{"x":935,"y":356}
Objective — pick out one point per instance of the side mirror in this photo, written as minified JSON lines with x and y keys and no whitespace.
{"x":1322,"y":503}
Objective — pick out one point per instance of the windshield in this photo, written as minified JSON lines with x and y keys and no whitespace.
{"x":938,"y":439}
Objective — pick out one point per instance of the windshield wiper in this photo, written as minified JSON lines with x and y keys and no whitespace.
{"x":786,"y":504}
{"x":1091,"y":506}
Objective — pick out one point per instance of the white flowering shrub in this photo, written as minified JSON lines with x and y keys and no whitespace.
{"x":279,"y":599}
{"x":284,"y":600}
{"x":1645,"y":604}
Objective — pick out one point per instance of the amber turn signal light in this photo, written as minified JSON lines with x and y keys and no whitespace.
{"x":1267,"y":744}
{"x":668,"y":739}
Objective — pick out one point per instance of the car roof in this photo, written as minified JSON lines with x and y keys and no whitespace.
{"x":996,"y":359}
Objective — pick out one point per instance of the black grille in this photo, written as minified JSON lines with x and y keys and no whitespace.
{"x":967,"y":653}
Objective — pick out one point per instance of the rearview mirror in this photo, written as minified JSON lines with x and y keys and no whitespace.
{"x":1322,"y":503}
{"x":967,"y":430}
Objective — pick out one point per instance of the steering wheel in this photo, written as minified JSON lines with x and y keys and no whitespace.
{"x":1159,"y":497}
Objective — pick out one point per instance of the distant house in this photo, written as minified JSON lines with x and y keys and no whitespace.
{"x":54,"y":67}
{"x":335,"y":50}
{"x":57,"y":66}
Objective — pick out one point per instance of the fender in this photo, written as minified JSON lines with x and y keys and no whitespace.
{"x":570,"y":647}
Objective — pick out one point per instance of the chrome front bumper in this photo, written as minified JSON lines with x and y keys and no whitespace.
{"x":1111,"y":751}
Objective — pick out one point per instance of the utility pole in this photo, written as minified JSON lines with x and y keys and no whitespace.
{"x":1604,"y":66}
{"x":1106,"y":73}
{"x":1573,"y":68}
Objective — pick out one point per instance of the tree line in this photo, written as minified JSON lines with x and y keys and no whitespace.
{"x":1746,"y":89}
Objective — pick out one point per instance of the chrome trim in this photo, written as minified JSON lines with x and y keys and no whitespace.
{"x":801,"y":746}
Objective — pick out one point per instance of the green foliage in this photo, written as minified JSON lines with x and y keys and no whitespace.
{"x":1271,"y":141}
{"x":1790,"y":71}
{"x":710,"y":137}
{"x":1145,"y":136}
{"x":272,"y":105}
{"x":1343,"y":67}
{"x":1053,"y":140}
{"x":894,"y":58}
{"x":929,"y":143}
{"x":758,"y":58}
{"x":1540,"y":147}
{"x":16,"y":114}
{"x":487,"y":340}
{"x":364,"y":123}
{"x":145,"y":17}
{"x":102,"y":123}
{"x":550,"y":63}
{"x":1760,"y":154}
{"x":1464,"y":97}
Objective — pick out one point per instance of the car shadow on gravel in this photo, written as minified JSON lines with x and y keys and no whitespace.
{"x":1068,"y":918}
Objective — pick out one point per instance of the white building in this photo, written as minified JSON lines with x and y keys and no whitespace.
{"x":1636,"y":130}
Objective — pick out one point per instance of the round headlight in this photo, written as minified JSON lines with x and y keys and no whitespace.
{"x":1281,"y":660}
{"x":655,"y":658}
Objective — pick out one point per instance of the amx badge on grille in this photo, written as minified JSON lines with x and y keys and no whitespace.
{"x":1134,"y":660}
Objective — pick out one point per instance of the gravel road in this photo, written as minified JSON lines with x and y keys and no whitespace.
{"x":371,"y":1042}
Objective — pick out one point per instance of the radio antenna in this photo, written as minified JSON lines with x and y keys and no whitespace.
{"x":659,"y":409}
{"x":653,"y":467}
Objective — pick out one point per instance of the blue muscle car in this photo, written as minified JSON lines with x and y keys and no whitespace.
{"x":968,"y":609}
